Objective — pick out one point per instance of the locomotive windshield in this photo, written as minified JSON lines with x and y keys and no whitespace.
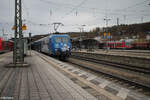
{"x":61,"y":39}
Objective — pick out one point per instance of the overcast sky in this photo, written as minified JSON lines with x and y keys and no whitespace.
{"x":38,"y":15}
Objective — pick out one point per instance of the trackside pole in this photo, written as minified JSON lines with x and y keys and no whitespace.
{"x":18,"y":50}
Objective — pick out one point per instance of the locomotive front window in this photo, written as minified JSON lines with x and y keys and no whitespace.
{"x":64,"y":40}
{"x":60,"y":39}
{"x":57,"y":39}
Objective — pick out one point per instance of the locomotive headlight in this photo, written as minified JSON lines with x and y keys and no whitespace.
{"x":55,"y":49}
{"x":56,"y":45}
{"x":65,"y":47}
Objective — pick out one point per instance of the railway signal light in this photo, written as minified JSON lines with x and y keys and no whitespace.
{"x":24,"y":27}
{"x":14,"y":27}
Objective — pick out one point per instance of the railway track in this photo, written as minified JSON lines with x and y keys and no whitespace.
{"x":132,"y":51}
{"x":132,"y":83}
{"x":116,"y":65}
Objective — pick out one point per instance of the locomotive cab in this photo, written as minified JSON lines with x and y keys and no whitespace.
{"x":62,"y":46}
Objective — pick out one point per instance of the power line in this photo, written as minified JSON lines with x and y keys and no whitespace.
{"x":96,"y":10}
{"x":75,"y":7}
{"x":112,"y":12}
{"x":137,"y":4}
{"x":56,"y":25}
{"x":107,"y":20}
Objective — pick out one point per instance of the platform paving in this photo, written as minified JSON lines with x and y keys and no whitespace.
{"x":39,"y":81}
{"x":104,"y":86}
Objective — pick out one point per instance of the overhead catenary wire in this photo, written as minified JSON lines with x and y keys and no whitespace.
{"x":68,"y":5}
{"x":130,"y":13}
{"x":113,"y":12}
{"x":76,"y":9}
{"x":134,"y":5}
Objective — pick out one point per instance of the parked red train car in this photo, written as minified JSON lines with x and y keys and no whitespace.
{"x":140,"y":45}
{"x":127,"y":45}
{"x":8,"y":45}
{"x":118,"y":45}
{"x":5,"y":45}
{"x":1,"y":45}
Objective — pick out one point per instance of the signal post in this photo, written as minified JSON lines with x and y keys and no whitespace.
{"x":18,"y":50}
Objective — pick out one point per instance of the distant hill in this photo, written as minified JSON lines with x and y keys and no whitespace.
{"x":121,"y":31}
{"x":117,"y":32}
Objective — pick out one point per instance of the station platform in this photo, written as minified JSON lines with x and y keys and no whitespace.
{"x":39,"y":81}
{"x":42,"y":80}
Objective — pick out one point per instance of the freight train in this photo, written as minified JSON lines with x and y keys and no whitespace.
{"x":55,"y":45}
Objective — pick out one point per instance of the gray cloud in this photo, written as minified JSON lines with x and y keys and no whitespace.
{"x":73,"y":13}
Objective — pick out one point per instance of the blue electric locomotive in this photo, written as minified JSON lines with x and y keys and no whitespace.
{"x":55,"y":45}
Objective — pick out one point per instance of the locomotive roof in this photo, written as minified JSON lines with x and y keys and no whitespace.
{"x":58,"y":35}
{"x":52,"y":35}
